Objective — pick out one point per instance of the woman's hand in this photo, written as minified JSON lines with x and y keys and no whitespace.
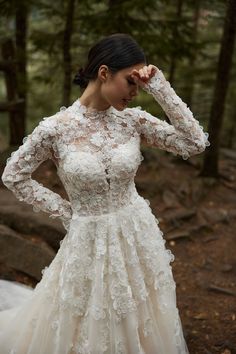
{"x":142,"y":76}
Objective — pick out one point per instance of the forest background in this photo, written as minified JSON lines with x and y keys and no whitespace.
{"x":43,"y":44}
{"x":191,"y":41}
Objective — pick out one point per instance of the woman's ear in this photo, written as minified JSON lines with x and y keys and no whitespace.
{"x":103,"y":73}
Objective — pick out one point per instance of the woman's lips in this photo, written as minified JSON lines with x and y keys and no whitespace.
{"x":127,"y":100}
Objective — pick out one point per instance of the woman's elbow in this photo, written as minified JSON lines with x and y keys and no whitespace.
{"x":7,"y":178}
{"x":196,"y":148}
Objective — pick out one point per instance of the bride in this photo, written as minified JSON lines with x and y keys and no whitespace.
{"x":110,"y":287}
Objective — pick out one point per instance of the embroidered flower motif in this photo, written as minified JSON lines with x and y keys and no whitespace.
{"x":97,"y":139}
{"x":113,"y":259}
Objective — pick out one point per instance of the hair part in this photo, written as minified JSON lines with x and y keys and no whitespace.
{"x":118,"y":51}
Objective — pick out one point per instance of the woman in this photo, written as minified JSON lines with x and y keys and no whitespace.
{"x":110,"y":288}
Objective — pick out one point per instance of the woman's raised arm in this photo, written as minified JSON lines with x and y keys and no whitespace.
{"x":184,"y":136}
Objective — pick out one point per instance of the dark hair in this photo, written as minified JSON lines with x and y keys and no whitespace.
{"x":117,"y":51}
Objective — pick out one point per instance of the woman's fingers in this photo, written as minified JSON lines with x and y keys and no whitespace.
{"x":143,"y":75}
{"x":135,"y":75}
{"x":145,"y":71}
{"x":148,"y":71}
{"x":150,"y":68}
{"x":153,"y":69}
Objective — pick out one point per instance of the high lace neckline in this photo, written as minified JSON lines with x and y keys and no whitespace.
{"x":92,"y":112}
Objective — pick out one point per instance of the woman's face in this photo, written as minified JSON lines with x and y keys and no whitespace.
{"x":119,"y":89}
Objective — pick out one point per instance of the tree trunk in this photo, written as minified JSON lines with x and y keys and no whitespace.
{"x":175,"y":34}
{"x":21,"y":24}
{"x":192,"y":60}
{"x":119,"y":20}
{"x":173,"y":59}
{"x":232,"y":130}
{"x":67,"y":54}
{"x":211,"y":157}
{"x":13,"y":105}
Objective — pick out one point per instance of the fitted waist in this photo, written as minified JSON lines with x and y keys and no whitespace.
{"x":104,"y":205}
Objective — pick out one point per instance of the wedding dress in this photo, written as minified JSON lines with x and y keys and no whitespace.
{"x":110,"y":287}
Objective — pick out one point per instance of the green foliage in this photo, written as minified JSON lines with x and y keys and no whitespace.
{"x":162,"y":33}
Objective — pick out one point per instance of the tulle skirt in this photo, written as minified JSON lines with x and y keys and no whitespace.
{"x":109,"y":290}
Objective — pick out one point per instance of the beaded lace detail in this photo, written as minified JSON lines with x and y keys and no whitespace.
{"x":112,"y":264}
{"x":98,"y":152}
{"x":184,"y":136}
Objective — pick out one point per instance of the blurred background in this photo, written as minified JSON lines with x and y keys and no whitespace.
{"x":42,"y":45}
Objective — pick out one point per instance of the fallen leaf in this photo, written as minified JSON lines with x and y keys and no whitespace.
{"x":201,"y":316}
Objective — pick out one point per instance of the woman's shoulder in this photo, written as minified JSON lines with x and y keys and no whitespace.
{"x":57,"y":120}
{"x":50,"y":125}
{"x":133,"y":112}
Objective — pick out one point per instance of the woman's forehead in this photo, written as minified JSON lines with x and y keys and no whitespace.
{"x":131,"y":68}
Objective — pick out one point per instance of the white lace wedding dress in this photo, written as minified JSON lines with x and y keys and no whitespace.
{"x":110,"y":288}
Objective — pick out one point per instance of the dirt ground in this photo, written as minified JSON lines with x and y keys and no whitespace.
{"x":205,"y":262}
{"x":198,"y":220}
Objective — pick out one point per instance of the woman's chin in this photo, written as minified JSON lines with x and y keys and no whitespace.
{"x":121,"y":106}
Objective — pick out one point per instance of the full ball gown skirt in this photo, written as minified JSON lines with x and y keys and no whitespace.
{"x":110,"y":287}
{"x":109,"y":290}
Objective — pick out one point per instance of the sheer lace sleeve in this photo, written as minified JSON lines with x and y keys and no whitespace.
{"x":184,"y":136}
{"x":36,"y":148}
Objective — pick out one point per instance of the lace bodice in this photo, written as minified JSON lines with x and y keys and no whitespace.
{"x":97,"y":153}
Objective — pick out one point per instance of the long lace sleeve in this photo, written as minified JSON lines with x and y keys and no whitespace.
{"x":36,"y":148}
{"x":184,"y":136}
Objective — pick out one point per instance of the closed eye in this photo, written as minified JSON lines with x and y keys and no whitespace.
{"x":131,"y":82}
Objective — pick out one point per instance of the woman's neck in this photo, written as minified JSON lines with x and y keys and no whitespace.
{"x":92,"y":97}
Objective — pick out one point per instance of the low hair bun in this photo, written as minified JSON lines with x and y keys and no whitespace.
{"x":79,"y":79}
{"x":117,"y":51}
